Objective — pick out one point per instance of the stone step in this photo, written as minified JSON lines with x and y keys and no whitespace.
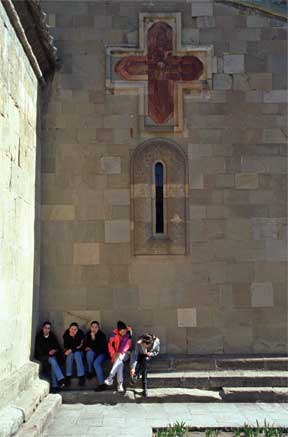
{"x":177,"y":395}
{"x":41,"y":418}
{"x":220,"y":378}
{"x":217,"y":362}
{"x":204,"y":379}
{"x":167,"y":363}
{"x":254,"y":394}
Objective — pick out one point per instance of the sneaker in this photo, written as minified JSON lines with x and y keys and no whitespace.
{"x":109,"y":380}
{"x":89,"y":375}
{"x":81,"y":381}
{"x":61,"y":384}
{"x":120,"y":387}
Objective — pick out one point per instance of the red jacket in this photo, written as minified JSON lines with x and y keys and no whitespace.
{"x":120,"y":344}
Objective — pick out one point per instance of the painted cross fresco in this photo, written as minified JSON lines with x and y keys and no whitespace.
{"x":161,"y":69}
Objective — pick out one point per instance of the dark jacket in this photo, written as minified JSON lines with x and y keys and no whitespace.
{"x":44,"y":345}
{"x":99,"y":345}
{"x":139,"y":349}
{"x":73,"y":343}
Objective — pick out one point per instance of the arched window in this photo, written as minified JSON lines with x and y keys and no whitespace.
{"x":159,"y":197}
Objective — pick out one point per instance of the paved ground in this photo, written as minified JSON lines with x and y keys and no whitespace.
{"x":137,"y":420}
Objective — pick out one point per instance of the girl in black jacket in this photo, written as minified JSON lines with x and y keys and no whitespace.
{"x":96,"y":352}
{"x":46,"y":350}
{"x":73,"y":345}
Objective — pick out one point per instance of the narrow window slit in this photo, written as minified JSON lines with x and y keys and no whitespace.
{"x":159,"y":198}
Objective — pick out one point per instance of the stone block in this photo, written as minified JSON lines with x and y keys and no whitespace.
{"x":111,"y":164}
{"x":275,"y":96}
{"x":257,"y":21}
{"x":126,"y":298}
{"x":276,"y":250}
{"x":89,"y":204}
{"x":117,"y":197}
{"x":260,"y":81}
{"x":187,"y":317}
{"x":196,"y":179}
{"x":190,"y":36}
{"x":270,"y":271}
{"x":238,"y":340}
{"x":117,"y":231}
{"x":57,"y":212}
{"x":197,"y":212}
{"x":86,"y":253}
{"x":202,"y":8}
{"x":204,"y":341}
{"x":246,"y":181}
{"x":222,"y":81}
{"x":274,"y":136}
{"x":240,"y":272}
{"x":98,"y":297}
{"x":239,"y":229}
{"x":83,"y":318}
{"x":233,"y":64}
{"x":262,"y":294}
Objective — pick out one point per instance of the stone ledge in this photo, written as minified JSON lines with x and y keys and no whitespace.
{"x":254,"y":394}
{"x":162,"y":395}
{"x":41,"y":418}
{"x":17,"y":382}
{"x":11,"y":419}
{"x":21,"y":392}
{"x":178,"y":395}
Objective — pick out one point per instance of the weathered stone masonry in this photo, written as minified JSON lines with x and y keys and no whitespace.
{"x":227,"y":293}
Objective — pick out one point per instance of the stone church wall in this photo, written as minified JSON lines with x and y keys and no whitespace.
{"x":18,"y":143}
{"x":226,"y":293}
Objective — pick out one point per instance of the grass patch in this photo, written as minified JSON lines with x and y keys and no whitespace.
{"x":180,"y":429}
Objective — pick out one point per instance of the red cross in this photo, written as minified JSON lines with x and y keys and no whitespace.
{"x":162,"y":69}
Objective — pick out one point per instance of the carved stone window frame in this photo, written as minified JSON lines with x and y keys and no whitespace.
{"x":144,"y":240}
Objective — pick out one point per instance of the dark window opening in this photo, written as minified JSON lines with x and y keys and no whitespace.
{"x":159,"y":198}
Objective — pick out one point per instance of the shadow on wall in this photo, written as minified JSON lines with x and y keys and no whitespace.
{"x":43,"y":92}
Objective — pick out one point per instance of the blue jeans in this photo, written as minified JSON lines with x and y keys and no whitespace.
{"x":97,"y":364}
{"x":56,"y":372}
{"x":77,"y":356}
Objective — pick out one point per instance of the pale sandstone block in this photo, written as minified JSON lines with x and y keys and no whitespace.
{"x":117,"y":231}
{"x":247,"y":181}
{"x":197,"y":212}
{"x":190,"y":36}
{"x":276,"y":250}
{"x":262,"y":294}
{"x":260,"y":81}
{"x":117,"y":197}
{"x":257,"y":21}
{"x":233,"y":64}
{"x":57,"y":212}
{"x":222,"y":81}
{"x":83,"y":318}
{"x":202,"y":8}
{"x":274,"y":136}
{"x":111,"y":164}
{"x":275,"y":96}
{"x":196,"y":179}
{"x":225,"y":181}
{"x":86,"y":253}
{"x":187,"y":317}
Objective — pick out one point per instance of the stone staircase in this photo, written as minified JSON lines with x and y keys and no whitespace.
{"x":185,"y":378}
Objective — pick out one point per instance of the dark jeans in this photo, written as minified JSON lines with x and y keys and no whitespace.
{"x":142,"y":369}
